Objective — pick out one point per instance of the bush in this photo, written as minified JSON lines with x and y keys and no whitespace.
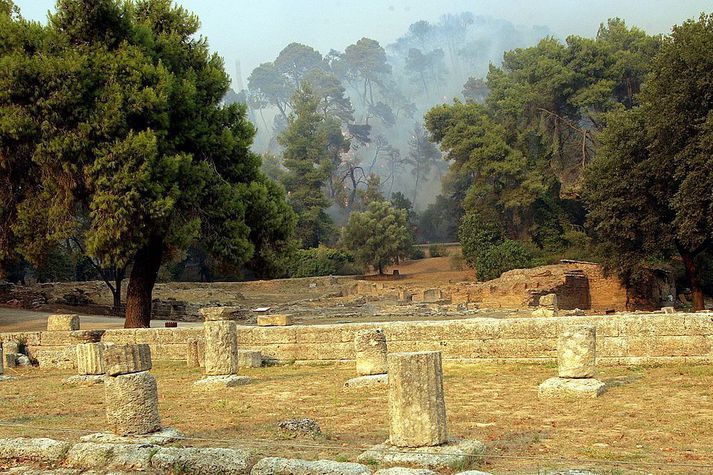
{"x":457,"y":262}
{"x":416,"y":253}
{"x":320,"y":261}
{"x":501,"y":258}
{"x":437,"y":250}
{"x":485,"y":248}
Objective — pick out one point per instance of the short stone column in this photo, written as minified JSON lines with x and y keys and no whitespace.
{"x":576,"y":352}
{"x":418,"y":434}
{"x":370,"y":352}
{"x":417,"y":409}
{"x":221,"y":355}
{"x":130,"y":393}
{"x":194,"y":353}
{"x":576,"y":365}
{"x":90,"y":364}
{"x":370,"y":349}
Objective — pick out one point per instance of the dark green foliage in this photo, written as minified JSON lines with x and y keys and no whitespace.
{"x":650,"y":190}
{"x":416,"y":253}
{"x":437,"y":250}
{"x":503,"y":257}
{"x":378,"y":236}
{"x":318,"y":261}
{"x":113,"y":133}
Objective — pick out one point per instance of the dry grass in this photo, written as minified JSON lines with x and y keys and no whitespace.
{"x":652,"y":415}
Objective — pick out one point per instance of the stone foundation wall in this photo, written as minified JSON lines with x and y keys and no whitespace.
{"x":621,"y":339}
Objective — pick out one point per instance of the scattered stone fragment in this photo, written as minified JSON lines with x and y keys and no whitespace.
{"x":274,"y":320}
{"x":283,"y":466}
{"x":373,"y":380}
{"x":455,"y":453}
{"x":405,"y":471}
{"x":370,"y":348}
{"x":131,"y":402}
{"x":40,"y":450}
{"x":23,"y":360}
{"x":126,"y":359}
{"x":84,"y":379}
{"x":571,"y":388}
{"x":304,"y":426}
{"x":668,"y":310}
{"x":222,"y":381}
{"x":202,"y":460}
{"x":161,"y":437}
{"x":576,"y":352}
{"x":249,"y":359}
{"x":62,"y":323}
{"x":417,"y":409}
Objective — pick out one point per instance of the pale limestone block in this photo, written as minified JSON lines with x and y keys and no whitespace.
{"x":370,"y":381}
{"x":213,"y":314}
{"x":371,"y":351}
{"x":10,"y":360}
{"x":221,"y":348}
{"x":576,"y":352}
{"x":90,"y":358}
{"x":274,"y":320}
{"x":249,"y":359}
{"x":571,"y":388}
{"x":549,"y":301}
{"x":125,"y":359}
{"x":131,"y":402}
{"x":62,"y":323}
{"x":417,"y":410}
{"x":10,"y":346}
{"x":432,"y":295}
{"x":194,"y":353}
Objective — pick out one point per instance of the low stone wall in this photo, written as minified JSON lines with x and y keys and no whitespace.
{"x":621,"y":339}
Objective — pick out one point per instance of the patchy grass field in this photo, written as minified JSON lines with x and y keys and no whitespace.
{"x":652,"y":419}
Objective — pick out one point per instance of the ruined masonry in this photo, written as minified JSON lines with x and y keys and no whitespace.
{"x":371,"y":365}
{"x":221,"y":355}
{"x":90,"y":364}
{"x":576,"y":365}
{"x":130,"y":393}
{"x":418,"y":434}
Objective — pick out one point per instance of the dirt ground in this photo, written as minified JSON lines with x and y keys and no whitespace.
{"x":652,"y":420}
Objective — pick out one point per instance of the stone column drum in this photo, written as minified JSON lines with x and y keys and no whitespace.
{"x":194,"y":354}
{"x":371,"y":351}
{"x":221,"y":348}
{"x":130,"y":393}
{"x":576,"y":352}
{"x":417,"y":410}
{"x":90,"y":358}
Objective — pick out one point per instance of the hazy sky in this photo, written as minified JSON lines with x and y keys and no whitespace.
{"x":254,"y":31}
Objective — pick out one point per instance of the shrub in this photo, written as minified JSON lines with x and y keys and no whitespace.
{"x":503,"y":257}
{"x":416,"y":253}
{"x":437,"y":250}
{"x":457,"y":262}
{"x":319,"y":261}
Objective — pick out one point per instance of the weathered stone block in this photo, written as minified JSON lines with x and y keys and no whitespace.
{"x":549,"y":301}
{"x":221,"y":348}
{"x":195,"y":353}
{"x":129,"y":457}
{"x":90,"y":358}
{"x":369,"y":381}
{"x":222,"y":381}
{"x":274,"y":320}
{"x":432,"y":295}
{"x":283,"y":466}
{"x":202,"y":460}
{"x":417,"y":410}
{"x":454,"y":453}
{"x":41,"y":450}
{"x":131,"y":402}
{"x":571,"y":388}
{"x":576,"y":352}
{"x":10,"y":346}
{"x":62,"y":323}
{"x":75,"y":337}
{"x":10,"y":360}
{"x":249,"y":359}
{"x":126,"y":359}
{"x":370,"y":348}
{"x":214,"y":314}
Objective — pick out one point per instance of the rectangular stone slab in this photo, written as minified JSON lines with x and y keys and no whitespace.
{"x":62,"y":323}
{"x":126,"y":359}
{"x":274,"y":320}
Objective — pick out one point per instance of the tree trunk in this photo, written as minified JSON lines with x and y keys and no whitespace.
{"x":694,"y":280}
{"x":116,"y":291}
{"x":141,"y":282}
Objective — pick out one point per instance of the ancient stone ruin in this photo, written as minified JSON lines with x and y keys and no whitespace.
{"x":418,"y":433}
{"x":62,"y":323}
{"x":371,"y":364}
{"x":90,"y":364}
{"x":576,"y":362}
{"x":221,"y":356}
